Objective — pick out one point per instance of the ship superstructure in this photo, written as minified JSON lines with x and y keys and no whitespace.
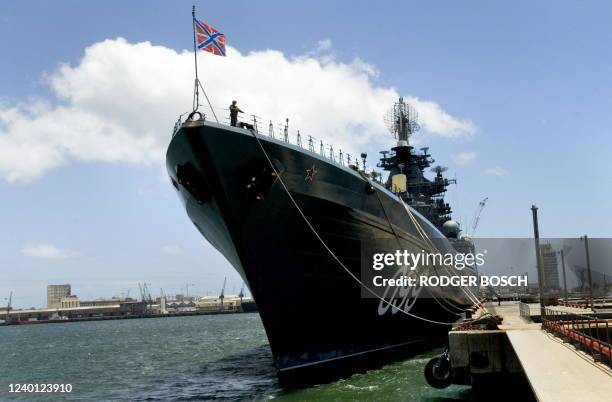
{"x":406,"y":168}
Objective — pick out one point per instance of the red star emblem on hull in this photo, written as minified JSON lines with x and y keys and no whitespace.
{"x":310,"y":174}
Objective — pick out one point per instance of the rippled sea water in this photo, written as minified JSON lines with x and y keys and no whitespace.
{"x":183,"y":359}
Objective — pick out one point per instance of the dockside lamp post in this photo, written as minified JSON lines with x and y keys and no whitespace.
{"x":536,"y":238}
{"x":588,"y":262}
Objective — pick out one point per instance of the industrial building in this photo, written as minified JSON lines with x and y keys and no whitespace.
{"x":123,"y":308}
{"x":64,"y":306}
{"x":55,"y":293}
{"x":69,"y":302}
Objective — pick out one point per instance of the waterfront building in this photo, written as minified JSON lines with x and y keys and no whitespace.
{"x":55,"y":293}
{"x":119,"y":309}
{"x":69,"y":302}
{"x":215,"y":303}
{"x":103,"y":302}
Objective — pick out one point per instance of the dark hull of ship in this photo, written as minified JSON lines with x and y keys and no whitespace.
{"x":318,"y":324}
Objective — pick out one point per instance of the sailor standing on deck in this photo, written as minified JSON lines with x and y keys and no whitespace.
{"x":234,"y":110}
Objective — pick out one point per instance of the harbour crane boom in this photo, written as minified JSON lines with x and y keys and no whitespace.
{"x":8,"y":307}
{"x":142,"y":296}
{"x":476,"y":219}
{"x":222,"y":295}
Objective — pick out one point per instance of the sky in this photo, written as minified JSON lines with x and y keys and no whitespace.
{"x":513,"y":97}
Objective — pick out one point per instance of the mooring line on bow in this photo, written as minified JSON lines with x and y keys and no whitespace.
{"x":329,"y":250}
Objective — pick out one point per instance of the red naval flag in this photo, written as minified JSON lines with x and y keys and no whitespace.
{"x":208,"y":38}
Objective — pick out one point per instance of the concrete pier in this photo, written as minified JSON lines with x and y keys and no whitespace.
{"x":554,"y":370}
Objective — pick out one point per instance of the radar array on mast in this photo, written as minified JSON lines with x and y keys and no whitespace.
{"x":439,"y":169}
{"x":406,"y":167}
{"x":402,"y":120}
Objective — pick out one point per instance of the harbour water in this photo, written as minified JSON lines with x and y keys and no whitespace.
{"x":182,"y":358}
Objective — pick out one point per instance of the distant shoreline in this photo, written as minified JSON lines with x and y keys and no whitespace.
{"x":127,"y":317}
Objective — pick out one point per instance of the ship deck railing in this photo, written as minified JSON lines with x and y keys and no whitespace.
{"x":283,"y":132}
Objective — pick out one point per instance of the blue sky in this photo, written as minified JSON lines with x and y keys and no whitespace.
{"x":534,"y":79}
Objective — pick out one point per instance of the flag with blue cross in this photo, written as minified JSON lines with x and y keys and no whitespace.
{"x":208,"y":38}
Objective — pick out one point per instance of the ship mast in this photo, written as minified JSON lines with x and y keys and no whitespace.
{"x":401,"y":120}
{"x":406,"y":167}
{"x":402,"y":129}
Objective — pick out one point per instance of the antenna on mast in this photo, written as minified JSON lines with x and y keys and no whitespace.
{"x":402,"y":121}
{"x":439,"y":169}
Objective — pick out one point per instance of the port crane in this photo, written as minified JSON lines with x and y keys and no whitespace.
{"x":222,"y":295}
{"x":7,"y":318}
{"x":187,"y":288}
{"x":145,"y":296}
{"x":147,"y":293}
{"x":476,"y":219}
{"x":241,"y":294}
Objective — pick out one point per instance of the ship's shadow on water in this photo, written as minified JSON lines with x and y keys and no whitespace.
{"x":244,"y":376}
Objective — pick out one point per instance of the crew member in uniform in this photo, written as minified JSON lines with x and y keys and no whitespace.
{"x":234,"y":110}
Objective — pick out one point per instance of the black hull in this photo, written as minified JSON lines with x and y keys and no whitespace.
{"x":318,"y":325}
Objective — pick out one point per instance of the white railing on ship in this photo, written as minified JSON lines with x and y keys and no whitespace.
{"x":283,"y":132}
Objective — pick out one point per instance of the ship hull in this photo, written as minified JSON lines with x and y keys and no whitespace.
{"x":294,"y":252}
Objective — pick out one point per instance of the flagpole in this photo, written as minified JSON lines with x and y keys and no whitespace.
{"x":196,"y":94}
{"x":198,"y":83}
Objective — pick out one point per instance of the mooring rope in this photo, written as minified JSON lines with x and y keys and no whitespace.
{"x":329,"y":250}
{"x":468,"y":292}
{"x":470,"y":295}
{"x":397,"y":237}
{"x":427,"y":240}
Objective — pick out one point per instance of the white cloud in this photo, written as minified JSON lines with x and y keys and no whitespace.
{"x":324,"y":44}
{"x":436,"y":121}
{"x":171,"y":249}
{"x":464,"y":158}
{"x":496,"y":171}
{"x":119,"y":103}
{"x":44,"y":250}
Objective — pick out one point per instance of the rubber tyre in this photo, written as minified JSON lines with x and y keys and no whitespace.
{"x":434,"y":377}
